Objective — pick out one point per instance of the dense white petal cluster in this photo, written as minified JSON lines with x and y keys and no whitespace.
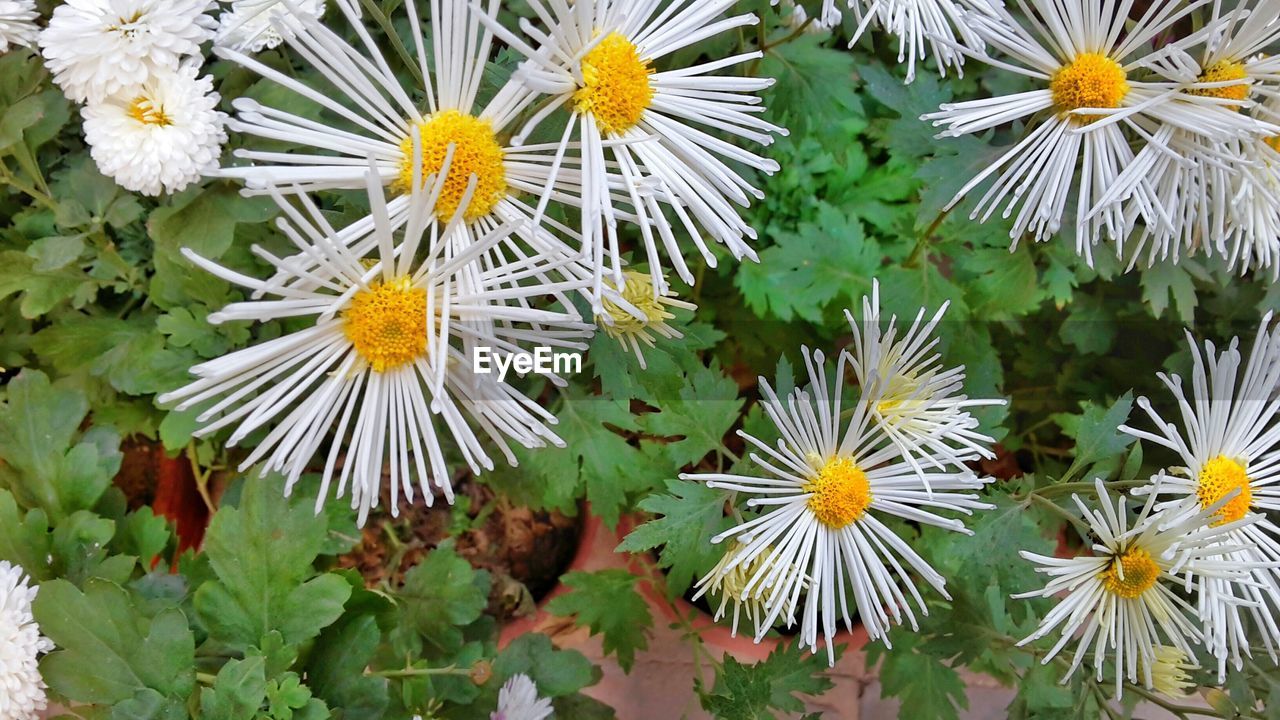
{"x":18,"y":24}
{"x":518,"y":700}
{"x":99,"y":48}
{"x":22,"y":691}
{"x":246,"y":26}
{"x":161,"y":137}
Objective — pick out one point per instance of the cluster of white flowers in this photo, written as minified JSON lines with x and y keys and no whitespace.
{"x":22,"y":691}
{"x":1203,"y":528}
{"x":17,"y":23}
{"x":901,"y":451}
{"x":1158,"y":140}
{"x":460,"y":250}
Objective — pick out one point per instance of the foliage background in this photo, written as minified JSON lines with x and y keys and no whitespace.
{"x":99,"y":313}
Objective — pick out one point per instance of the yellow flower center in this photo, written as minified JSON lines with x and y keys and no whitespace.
{"x":1273,"y":141}
{"x":615,"y":84}
{"x":148,"y":112}
{"x":1218,"y":478}
{"x":387,"y":324}
{"x":1221,"y":71}
{"x":1092,"y":80}
{"x":841,"y":493}
{"x":1130,"y":574}
{"x":476,"y":152}
{"x":637,"y":289}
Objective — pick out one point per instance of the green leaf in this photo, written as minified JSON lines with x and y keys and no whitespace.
{"x":107,"y":650}
{"x":24,"y":539}
{"x":556,"y":672}
{"x":696,"y":420}
{"x":607,"y":602}
{"x":1166,"y":279}
{"x":755,"y":691}
{"x":54,"y":253}
{"x":926,"y":685}
{"x":130,"y":354}
{"x":42,"y":290}
{"x":1096,"y":435}
{"x":262,"y":553}
{"x":48,"y":463}
{"x":815,"y":87}
{"x":1090,"y":327}
{"x":441,"y":594}
{"x":238,"y":692}
{"x":336,"y":669}
{"x":688,"y":517}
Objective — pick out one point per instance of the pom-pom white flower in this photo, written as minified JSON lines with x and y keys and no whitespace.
{"x":98,"y":48}
{"x":247,"y":26}
{"x":160,"y":137}
{"x":518,"y":700}
{"x":17,"y":23}
{"x":22,"y":691}
{"x":389,"y":357}
{"x":596,"y":59}
{"x":919,"y":404}
{"x":1230,"y":454}
{"x":1124,"y":599}
{"x":826,"y":490}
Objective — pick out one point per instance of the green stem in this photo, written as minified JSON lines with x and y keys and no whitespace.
{"x":206,"y":679}
{"x":419,"y":672}
{"x":1053,"y":507}
{"x":12,"y":180}
{"x":1182,"y":711}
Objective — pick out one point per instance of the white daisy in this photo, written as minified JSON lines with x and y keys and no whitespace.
{"x":827,"y":491}
{"x":391,"y":348}
{"x":373,"y":116}
{"x":246,"y":26}
{"x":1087,"y":60}
{"x":99,"y":48}
{"x":18,"y":23}
{"x":633,"y":314}
{"x":1121,"y":599}
{"x":916,"y":402}
{"x":518,"y":700}
{"x":159,"y":137}
{"x":923,"y":28}
{"x":596,"y":59}
{"x":1230,"y":444}
{"x":22,"y":690}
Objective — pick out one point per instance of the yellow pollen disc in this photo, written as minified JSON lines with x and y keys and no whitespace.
{"x":1273,"y":141}
{"x":387,"y":324}
{"x":637,"y":289}
{"x":147,"y":112}
{"x":615,"y":84}
{"x":1221,"y":71}
{"x":1217,"y":479}
{"x":476,"y":152}
{"x":1092,"y":80}
{"x":1140,"y":573}
{"x":841,"y":493}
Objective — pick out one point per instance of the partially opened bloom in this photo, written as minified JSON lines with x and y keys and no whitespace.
{"x":730,"y":581}
{"x":98,"y":48}
{"x":518,"y":700}
{"x":596,"y":59}
{"x":160,"y":137}
{"x":18,"y":23}
{"x":827,"y":489}
{"x":634,"y":315}
{"x":246,"y":25}
{"x":1088,"y":61}
{"x":1229,"y":446}
{"x":366,"y":113}
{"x":386,"y":367}
{"x":917,"y":402}
{"x":1126,"y":599}
{"x":22,"y":690}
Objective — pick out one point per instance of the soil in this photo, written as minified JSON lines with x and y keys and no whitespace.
{"x":524,"y":550}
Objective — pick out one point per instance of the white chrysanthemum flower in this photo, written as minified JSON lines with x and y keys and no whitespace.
{"x":18,"y":23}
{"x":827,"y":490}
{"x":518,"y":700}
{"x":1171,"y":672}
{"x":596,"y":59}
{"x":246,"y":26}
{"x":1120,"y":601}
{"x":100,"y":48}
{"x":798,"y":18}
{"x":390,"y":355}
{"x":633,"y":315}
{"x":923,"y":28}
{"x":1075,"y":149}
{"x":1230,"y":444}
{"x":160,"y":137}
{"x":373,"y":116}
{"x":731,"y":580}
{"x":917,"y":403}
{"x":22,"y":690}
